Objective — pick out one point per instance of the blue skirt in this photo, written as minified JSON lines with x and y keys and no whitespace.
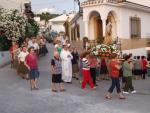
{"x":33,"y":74}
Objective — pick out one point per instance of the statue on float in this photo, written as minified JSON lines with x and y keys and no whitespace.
{"x":108,"y":34}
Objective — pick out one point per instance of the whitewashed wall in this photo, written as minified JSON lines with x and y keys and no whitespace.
{"x":136,"y":52}
{"x":123,"y":15}
{"x":125,"y":23}
{"x":58,"y":27}
{"x":142,"y":2}
{"x":4,"y":58}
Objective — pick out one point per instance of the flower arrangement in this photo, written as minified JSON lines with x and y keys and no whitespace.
{"x":105,"y":50}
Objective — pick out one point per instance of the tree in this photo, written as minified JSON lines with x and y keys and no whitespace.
{"x":46,"y":16}
{"x":32,"y":28}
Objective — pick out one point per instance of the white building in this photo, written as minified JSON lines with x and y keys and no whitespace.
{"x":129,"y":20}
{"x":14,"y":4}
{"x":57,"y":24}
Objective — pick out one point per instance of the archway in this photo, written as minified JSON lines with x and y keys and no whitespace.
{"x":95,"y":25}
{"x":112,"y":18}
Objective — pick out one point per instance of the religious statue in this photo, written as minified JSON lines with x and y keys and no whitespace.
{"x":108,"y":33}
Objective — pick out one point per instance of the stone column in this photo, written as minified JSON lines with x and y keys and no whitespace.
{"x":118,"y":27}
{"x":104,"y":26}
{"x":86,"y":27}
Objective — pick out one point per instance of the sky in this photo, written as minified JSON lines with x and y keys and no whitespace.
{"x":55,"y":6}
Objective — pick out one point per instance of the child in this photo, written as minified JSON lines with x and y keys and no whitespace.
{"x":57,"y":73}
{"x":86,"y":72}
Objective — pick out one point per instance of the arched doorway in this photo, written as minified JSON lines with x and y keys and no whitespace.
{"x":112,"y":18}
{"x":95,"y":25}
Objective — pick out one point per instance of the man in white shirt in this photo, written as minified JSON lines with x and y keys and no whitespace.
{"x":34,"y":44}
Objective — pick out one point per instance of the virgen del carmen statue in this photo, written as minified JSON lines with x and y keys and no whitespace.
{"x":108,"y":47}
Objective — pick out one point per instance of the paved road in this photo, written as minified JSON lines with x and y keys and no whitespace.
{"x":16,"y":97}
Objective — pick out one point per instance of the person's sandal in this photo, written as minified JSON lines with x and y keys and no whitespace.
{"x":62,"y":90}
{"x":122,"y":97}
{"x":108,"y":97}
{"x":54,"y":90}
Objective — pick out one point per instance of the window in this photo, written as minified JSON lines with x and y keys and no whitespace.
{"x":135,"y":28}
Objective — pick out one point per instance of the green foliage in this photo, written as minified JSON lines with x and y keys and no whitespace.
{"x":46,"y":16}
{"x":100,"y":39}
{"x":4,"y":43}
{"x":85,"y":39}
{"x":31,"y":29}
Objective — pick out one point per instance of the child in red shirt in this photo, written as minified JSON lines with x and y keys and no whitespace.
{"x":32,"y":64}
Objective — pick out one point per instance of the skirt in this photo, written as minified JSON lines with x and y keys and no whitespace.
{"x":75,"y":68}
{"x":22,"y":69}
{"x":33,"y":74}
{"x":57,"y":78}
{"x":104,"y":70}
{"x":15,"y":64}
{"x":137,"y":72}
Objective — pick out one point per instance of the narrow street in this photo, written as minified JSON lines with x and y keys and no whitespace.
{"x":16,"y":97}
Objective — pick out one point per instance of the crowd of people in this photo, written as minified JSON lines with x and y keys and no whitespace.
{"x":89,"y":69}
{"x":68,"y":63}
{"x":24,"y":58}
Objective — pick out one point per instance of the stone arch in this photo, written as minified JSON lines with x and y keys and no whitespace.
{"x":95,"y":25}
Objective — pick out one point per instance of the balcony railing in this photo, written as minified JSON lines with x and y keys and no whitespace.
{"x":97,"y":2}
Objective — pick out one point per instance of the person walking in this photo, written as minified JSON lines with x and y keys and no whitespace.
{"x":75,"y":66}
{"x":22,"y":69}
{"x":114,"y":73}
{"x":86,"y":71}
{"x":57,"y":73}
{"x":127,"y":73}
{"x":104,"y":69}
{"x":32,"y":64}
{"x":93,"y":65}
{"x":137,"y":68}
{"x":144,"y":66}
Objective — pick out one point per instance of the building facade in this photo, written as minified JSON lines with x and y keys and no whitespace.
{"x":128,"y":21}
{"x":14,"y":4}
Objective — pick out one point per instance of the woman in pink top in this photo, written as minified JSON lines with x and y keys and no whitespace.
{"x":32,"y":64}
{"x":93,"y":65}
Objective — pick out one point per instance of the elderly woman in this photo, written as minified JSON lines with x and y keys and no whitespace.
{"x":32,"y":64}
{"x":56,"y":73}
{"x":127,"y":74}
{"x":22,"y":69}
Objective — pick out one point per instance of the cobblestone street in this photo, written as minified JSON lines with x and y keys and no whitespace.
{"x":16,"y":97}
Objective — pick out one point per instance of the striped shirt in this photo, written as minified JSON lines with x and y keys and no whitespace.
{"x":85,"y":64}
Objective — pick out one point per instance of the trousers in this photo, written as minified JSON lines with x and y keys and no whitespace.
{"x":87,"y":79}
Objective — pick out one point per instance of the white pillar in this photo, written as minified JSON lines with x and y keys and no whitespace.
{"x":86,"y":27}
{"x":104,"y":26}
{"x":118,"y":27}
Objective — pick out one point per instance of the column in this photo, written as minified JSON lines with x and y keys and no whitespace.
{"x":104,"y":26}
{"x":118,"y":28}
{"x":86,"y":27}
